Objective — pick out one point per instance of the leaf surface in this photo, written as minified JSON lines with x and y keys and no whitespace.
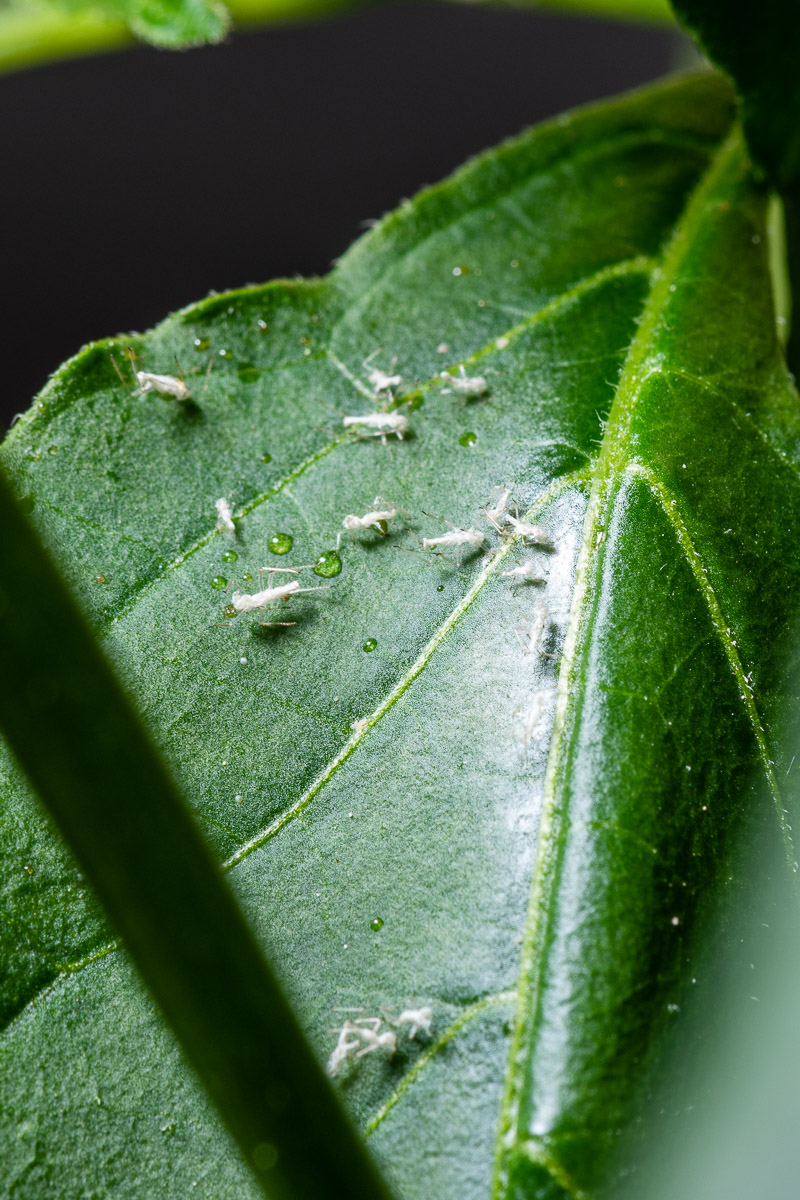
{"x":399,"y":834}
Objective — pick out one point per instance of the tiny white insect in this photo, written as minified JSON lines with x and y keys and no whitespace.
{"x":535,"y":631}
{"x":527,"y":572}
{"x":471,"y":387}
{"x":360,"y":725}
{"x":529,"y":532}
{"x":360,"y":1037}
{"x":381,"y":381}
{"x":165,"y":385}
{"x":456,"y":537}
{"x":247,"y":602}
{"x":381,"y":424}
{"x":224,"y":516}
{"x":496,"y":509}
{"x":420,"y":1020}
{"x":374,"y":519}
{"x":530,"y":717}
{"x":348,"y":1043}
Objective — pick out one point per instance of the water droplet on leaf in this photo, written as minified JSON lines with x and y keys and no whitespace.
{"x":369,"y":645}
{"x":219,"y":582}
{"x":468,"y":439}
{"x":230,"y":556}
{"x":280,"y":543}
{"x":328,"y":564}
{"x":375,"y":924}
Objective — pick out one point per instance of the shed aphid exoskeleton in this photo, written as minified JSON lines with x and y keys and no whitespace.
{"x":379,"y":424}
{"x":420,"y":1020}
{"x":377,"y":519}
{"x":173,"y":387}
{"x":247,"y":602}
{"x":527,"y":572}
{"x":528,"y":531}
{"x":224,"y":516}
{"x":381,"y":381}
{"x":348,"y":1043}
{"x":532,"y":635}
{"x":360,"y":1037}
{"x":471,"y":539}
{"x":471,"y":387}
{"x":496,"y":509}
{"x":529,"y":718}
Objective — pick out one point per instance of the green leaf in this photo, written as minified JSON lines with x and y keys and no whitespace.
{"x":363,"y":774}
{"x":73,"y":732}
{"x":759,"y":51}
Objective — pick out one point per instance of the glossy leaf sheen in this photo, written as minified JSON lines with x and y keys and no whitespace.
{"x":607,"y":275}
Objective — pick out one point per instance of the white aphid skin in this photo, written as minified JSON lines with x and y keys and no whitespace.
{"x":360,"y":725}
{"x":357,"y":1038}
{"x":528,"y":531}
{"x":224,"y":516}
{"x":165,"y":385}
{"x":420,"y":1020}
{"x":496,"y":509}
{"x":535,"y":631}
{"x":456,"y":537}
{"x":527,"y":572}
{"x":246,"y":602}
{"x":381,"y":381}
{"x":471,"y":387}
{"x":382,"y":424}
{"x":375,"y":517}
{"x":530,"y":717}
{"x":348,"y":1043}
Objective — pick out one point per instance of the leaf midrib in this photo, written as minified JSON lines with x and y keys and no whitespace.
{"x":612,"y":463}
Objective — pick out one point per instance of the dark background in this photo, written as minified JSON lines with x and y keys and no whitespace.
{"x":134,"y":183}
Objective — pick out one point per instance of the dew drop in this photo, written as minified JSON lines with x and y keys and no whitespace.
{"x":219,"y":582}
{"x":369,"y":645}
{"x":375,"y":924}
{"x":328,"y":564}
{"x":201,"y":344}
{"x":100,"y":578}
{"x":225,"y":354}
{"x":468,"y":439}
{"x":52,"y":449}
{"x":280,"y":543}
{"x":229,"y":611}
{"x":265,"y":457}
{"x":247,"y":372}
{"x":440,"y":588}
{"x":230,"y":556}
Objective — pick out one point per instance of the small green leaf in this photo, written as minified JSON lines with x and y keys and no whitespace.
{"x":168,"y":23}
{"x":758,"y":48}
{"x":400,"y":828}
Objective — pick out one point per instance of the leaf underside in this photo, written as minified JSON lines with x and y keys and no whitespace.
{"x":607,"y":275}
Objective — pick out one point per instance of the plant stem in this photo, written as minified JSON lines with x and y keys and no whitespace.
{"x":34,"y":33}
{"x":84,"y":749}
{"x":791,"y":209}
